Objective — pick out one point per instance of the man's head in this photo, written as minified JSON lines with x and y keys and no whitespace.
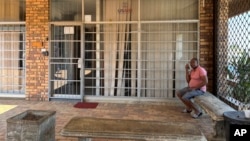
{"x":194,"y":63}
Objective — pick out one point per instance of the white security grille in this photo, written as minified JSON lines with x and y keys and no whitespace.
{"x":123,"y":48}
{"x":152,"y":67}
{"x":12,"y":65}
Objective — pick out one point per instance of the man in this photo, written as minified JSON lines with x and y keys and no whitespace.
{"x":197,"y":80}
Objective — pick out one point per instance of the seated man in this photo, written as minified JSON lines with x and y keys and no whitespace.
{"x":197,"y":80}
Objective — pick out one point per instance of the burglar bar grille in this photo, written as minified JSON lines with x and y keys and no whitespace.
{"x":154,"y":66}
{"x":12,"y":59}
{"x":132,"y":48}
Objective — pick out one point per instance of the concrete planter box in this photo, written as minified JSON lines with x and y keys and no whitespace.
{"x":32,"y":125}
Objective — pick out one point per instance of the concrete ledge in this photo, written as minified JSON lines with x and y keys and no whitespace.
{"x":86,"y":128}
{"x":215,"y":108}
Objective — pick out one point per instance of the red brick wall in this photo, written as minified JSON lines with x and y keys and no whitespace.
{"x":37,"y":29}
{"x":206,"y":40}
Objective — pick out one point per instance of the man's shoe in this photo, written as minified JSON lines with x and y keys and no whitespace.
{"x":186,"y":111}
{"x":196,"y":115}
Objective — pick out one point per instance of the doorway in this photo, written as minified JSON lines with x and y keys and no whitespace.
{"x":65,"y":53}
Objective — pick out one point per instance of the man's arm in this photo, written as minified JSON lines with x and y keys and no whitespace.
{"x":187,"y":73}
{"x":187,"y":76}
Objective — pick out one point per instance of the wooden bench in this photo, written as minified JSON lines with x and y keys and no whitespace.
{"x":215,"y":108}
{"x":85,"y":128}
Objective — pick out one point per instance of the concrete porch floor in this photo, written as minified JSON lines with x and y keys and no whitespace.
{"x":169,"y":111}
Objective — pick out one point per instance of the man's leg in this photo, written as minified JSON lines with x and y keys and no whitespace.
{"x":180,"y":95}
{"x":190,"y":104}
{"x":186,"y":98}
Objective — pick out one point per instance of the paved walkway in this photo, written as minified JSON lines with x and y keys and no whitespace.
{"x":146,"y":111}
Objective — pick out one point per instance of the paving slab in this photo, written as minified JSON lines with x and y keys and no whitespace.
{"x":168,"y":111}
{"x":84,"y":127}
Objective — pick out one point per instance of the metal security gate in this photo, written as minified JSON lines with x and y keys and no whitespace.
{"x":12,"y":60}
{"x":65,"y":53}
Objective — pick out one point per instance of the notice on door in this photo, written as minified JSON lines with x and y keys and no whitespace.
{"x":68,"y":30}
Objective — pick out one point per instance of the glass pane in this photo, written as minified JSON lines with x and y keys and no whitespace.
{"x":90,"y":10}
{"x":66,"y":10}
{"x":169,"y":9}
{"x":119,"y":10}
{"x":12,"y":10}
{"x":65,"y":33}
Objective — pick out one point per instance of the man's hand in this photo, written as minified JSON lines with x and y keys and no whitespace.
{"x":187,"y":66}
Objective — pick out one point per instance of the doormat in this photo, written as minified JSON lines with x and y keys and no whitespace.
{"x":86,"y":105}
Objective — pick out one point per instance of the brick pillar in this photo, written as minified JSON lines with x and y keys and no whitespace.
{"x":207,"y":39}
{"x":37,"y":30}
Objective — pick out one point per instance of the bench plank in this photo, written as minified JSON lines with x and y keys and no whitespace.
{"x":84,"y":127}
